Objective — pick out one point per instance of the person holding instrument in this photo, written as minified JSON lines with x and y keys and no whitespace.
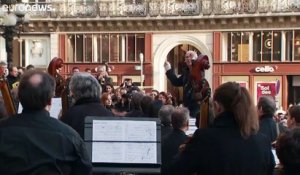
{"x":54,"y":69}
{"x":192,"y":80}
{"x":8,"y":107}
{"x":232,"y":146}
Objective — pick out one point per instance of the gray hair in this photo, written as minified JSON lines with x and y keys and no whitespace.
{"x":180,"y":117}
{"x":267,"y":104}
{"x":165,"y":113}
{"x":84,"y":85}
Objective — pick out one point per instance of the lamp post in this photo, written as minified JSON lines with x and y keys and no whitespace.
{"x":142,"y":75}
{"x":13,"y":14}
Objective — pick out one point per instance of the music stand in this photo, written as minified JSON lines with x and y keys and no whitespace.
{"x":123,"y":145}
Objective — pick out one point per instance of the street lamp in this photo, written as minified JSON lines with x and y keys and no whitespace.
{"x":142,"y":76}
{"x":13,"y":18}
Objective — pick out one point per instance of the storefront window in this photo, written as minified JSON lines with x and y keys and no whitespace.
{"x":79,"y":48}
{"x":276,"y":52}
{"x":289,"y":45}
{"x":297,"y":46}
{"x":257,"y":46}
{"x":88,"y":48}
{"x":131,"y":48}
{"x":238,"y":49}
{"x":105,"y":47}
{"x":140,"y":45}
{"x":71,"y":47}
{"x":267,"y":45}
{"x":114,"y":48}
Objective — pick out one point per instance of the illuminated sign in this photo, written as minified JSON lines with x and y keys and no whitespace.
{"x":264,"y":69}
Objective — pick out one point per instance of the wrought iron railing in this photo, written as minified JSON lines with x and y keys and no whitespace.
{"x":154,"y":8}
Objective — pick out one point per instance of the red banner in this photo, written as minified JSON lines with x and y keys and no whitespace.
{"x":266,"y":89}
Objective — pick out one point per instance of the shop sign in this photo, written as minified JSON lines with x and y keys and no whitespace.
{"x":264,"y":69}
{"x":266,"y":89}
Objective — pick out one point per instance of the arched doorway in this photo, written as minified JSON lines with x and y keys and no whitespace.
{"x":176,"y":58}
{"x":161,"y":53}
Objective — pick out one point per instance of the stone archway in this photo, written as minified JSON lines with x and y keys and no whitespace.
{"x":162,"y":51}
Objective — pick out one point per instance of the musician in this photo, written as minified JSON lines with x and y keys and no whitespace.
{"x":85,"y":91}
{"x":233,"y":145}
{"x":54,"y":69}
{"x":35,"y":143}
{"x":190,"y":97}
{"x":171,"y":142}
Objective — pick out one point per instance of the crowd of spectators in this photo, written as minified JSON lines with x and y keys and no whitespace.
{"x":239,"y":140}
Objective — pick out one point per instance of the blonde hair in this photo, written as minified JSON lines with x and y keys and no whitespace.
{"x":236,"y":99}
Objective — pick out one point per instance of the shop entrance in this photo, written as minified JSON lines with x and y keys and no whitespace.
{"x":293,"y":89}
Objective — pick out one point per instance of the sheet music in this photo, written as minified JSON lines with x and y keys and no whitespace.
{"x":114,"y":130}
{"x":54,"y":110}
{"x":192,"y":127}
{"x":132,"y":141}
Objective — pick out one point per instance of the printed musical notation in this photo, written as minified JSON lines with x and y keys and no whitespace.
{"x":124,"y":141}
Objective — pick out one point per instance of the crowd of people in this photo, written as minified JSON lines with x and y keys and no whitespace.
{"x":238,"y":142}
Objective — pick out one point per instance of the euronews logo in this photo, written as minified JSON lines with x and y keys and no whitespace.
{"x":29,"y":7}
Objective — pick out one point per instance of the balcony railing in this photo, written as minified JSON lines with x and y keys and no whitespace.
{"x":156,"y":8}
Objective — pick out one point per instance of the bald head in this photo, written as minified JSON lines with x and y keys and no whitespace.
{"x":36,"y":90}
{"x":35,"y":80}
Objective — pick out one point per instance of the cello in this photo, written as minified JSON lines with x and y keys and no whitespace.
{"x":202,"y":90}
{"x":7,"y":97}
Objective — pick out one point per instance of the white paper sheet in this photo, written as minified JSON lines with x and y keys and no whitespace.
{"x":117,"y":141}
{"x":114,"y":130}
{"x":54,"y":110}
{"x":120,"y":152}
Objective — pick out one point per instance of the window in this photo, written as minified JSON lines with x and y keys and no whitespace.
{"x":265,"y":46}
{"x":289,"y":45}
{"x":238,"y":49}
{"x":276,"y":46}
{"x":88,"y":48}
{"x":105,"y":47}
{"x":257,"y":46}
{"x":297,"y":46}
{"x":131,"y":48}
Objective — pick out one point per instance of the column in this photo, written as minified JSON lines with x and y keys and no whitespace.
{"x":54,"y":45}
{"x":283,"y":44}
{"x":251,"y":46}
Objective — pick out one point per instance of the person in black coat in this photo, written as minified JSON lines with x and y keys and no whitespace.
{"x":164,"y":114}
{"x":192,"y":88}
{"x":266,"y":107}
{"x":288,"y":151}
{"x":33,"y":142}
{"x":233,"y":145}
{"x":85,"y":91}
{"x":172,"y":141}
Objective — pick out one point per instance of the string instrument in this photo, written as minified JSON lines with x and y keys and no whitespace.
{"x":7,"y":97}
{"x":201,"y":87}
{"x":54,"y":66}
